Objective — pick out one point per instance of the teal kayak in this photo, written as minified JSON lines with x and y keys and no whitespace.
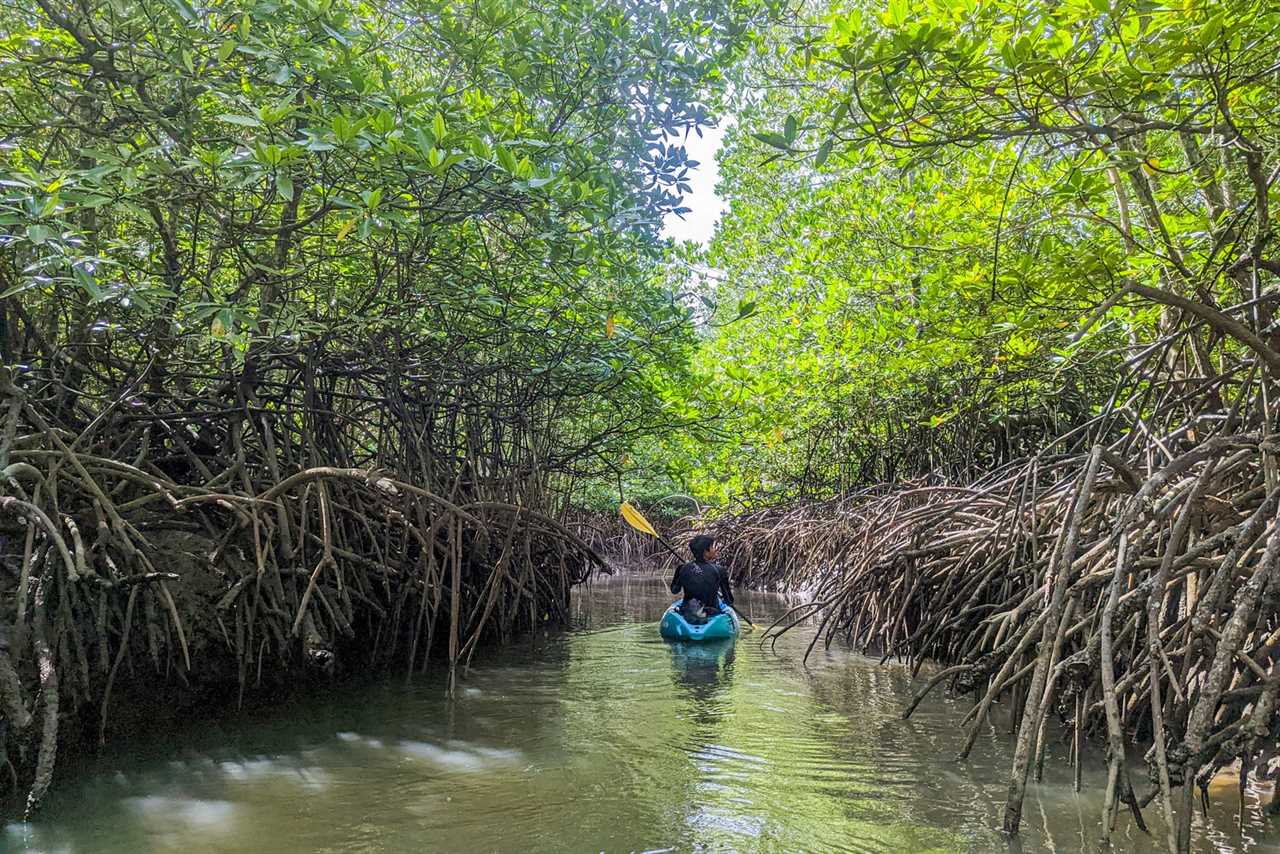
{"x":722,"y":625}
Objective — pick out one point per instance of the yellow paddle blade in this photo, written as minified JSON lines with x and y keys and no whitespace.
{"x":636,"y":520}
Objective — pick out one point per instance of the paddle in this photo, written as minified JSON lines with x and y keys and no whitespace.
{"x":636,"y":519}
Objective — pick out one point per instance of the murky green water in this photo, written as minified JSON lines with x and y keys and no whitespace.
{"x":605,"y":738}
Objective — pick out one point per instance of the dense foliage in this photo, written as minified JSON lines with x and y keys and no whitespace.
{"x":193,"y":188}
{"x":955,"y":224}
{"x":315,"y":316}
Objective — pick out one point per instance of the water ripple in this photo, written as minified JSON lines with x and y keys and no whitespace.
{"x":605,"y":738}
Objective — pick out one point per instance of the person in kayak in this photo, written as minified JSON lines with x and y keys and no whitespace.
{"x":702,"y":582}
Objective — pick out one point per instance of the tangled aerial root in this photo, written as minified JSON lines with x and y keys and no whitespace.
{"x":1131,"y":586}
{"x":171,"y":538}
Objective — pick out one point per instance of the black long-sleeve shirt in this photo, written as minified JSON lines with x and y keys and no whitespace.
{"x":706,"y":582}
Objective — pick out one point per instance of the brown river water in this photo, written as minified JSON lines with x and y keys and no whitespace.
{"x":601,"y":738}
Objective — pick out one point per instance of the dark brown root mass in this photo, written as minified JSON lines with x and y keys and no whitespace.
{"x":1125,"y":581}
{"x":330,"y":514}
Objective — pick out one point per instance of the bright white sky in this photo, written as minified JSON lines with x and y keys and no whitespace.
{"x":699,"y":224}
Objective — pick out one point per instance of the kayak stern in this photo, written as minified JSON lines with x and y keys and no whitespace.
{"x":722,"y":625}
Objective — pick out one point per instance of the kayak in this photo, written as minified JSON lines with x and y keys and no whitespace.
{"x":722,"y":625}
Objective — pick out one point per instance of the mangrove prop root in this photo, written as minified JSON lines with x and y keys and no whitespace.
{"x":164,"y":538}
{"x":1127,"y":581}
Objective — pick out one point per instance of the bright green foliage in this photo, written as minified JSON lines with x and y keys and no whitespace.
{"x":929,"y":201}
{"x":951,"y":223}
{"x":188,"y":185}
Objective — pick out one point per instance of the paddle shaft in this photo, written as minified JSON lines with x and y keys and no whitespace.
{"x":670,"y":547}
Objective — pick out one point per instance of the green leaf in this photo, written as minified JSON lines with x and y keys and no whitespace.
{"x":183,"y":8}
{"x":340,"y":38}
{"x":1210,"y":31}
{"x":90,"y":285}
{"x":222,"y":323}
{"x":17,"y":289}
{"x":942,"y":418}
{"x":776,"y":140}
{"x":438,"y":127}
{"x":824,"y":151}
{"x":225,"y":50}
{"x":242,"y":120}
{"x":285,"y":185}
{"x":898,"y":13}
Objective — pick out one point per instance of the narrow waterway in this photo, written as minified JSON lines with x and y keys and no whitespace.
{"x":601,"y":738}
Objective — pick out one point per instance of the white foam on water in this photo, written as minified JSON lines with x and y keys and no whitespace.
{"x":262,"y":768}
{"x":459,"y":754}
{"x":248,"y":769}
{"x":195,"y":813}
{"x":26,"y":837}
{"x":459,"y":759}
{"x":494,"y":754}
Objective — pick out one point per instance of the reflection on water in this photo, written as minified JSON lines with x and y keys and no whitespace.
{"x":605,"y":738}
{"x":706,"y":669}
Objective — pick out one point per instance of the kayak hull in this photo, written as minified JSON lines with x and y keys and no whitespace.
{"x":721,"y":626}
